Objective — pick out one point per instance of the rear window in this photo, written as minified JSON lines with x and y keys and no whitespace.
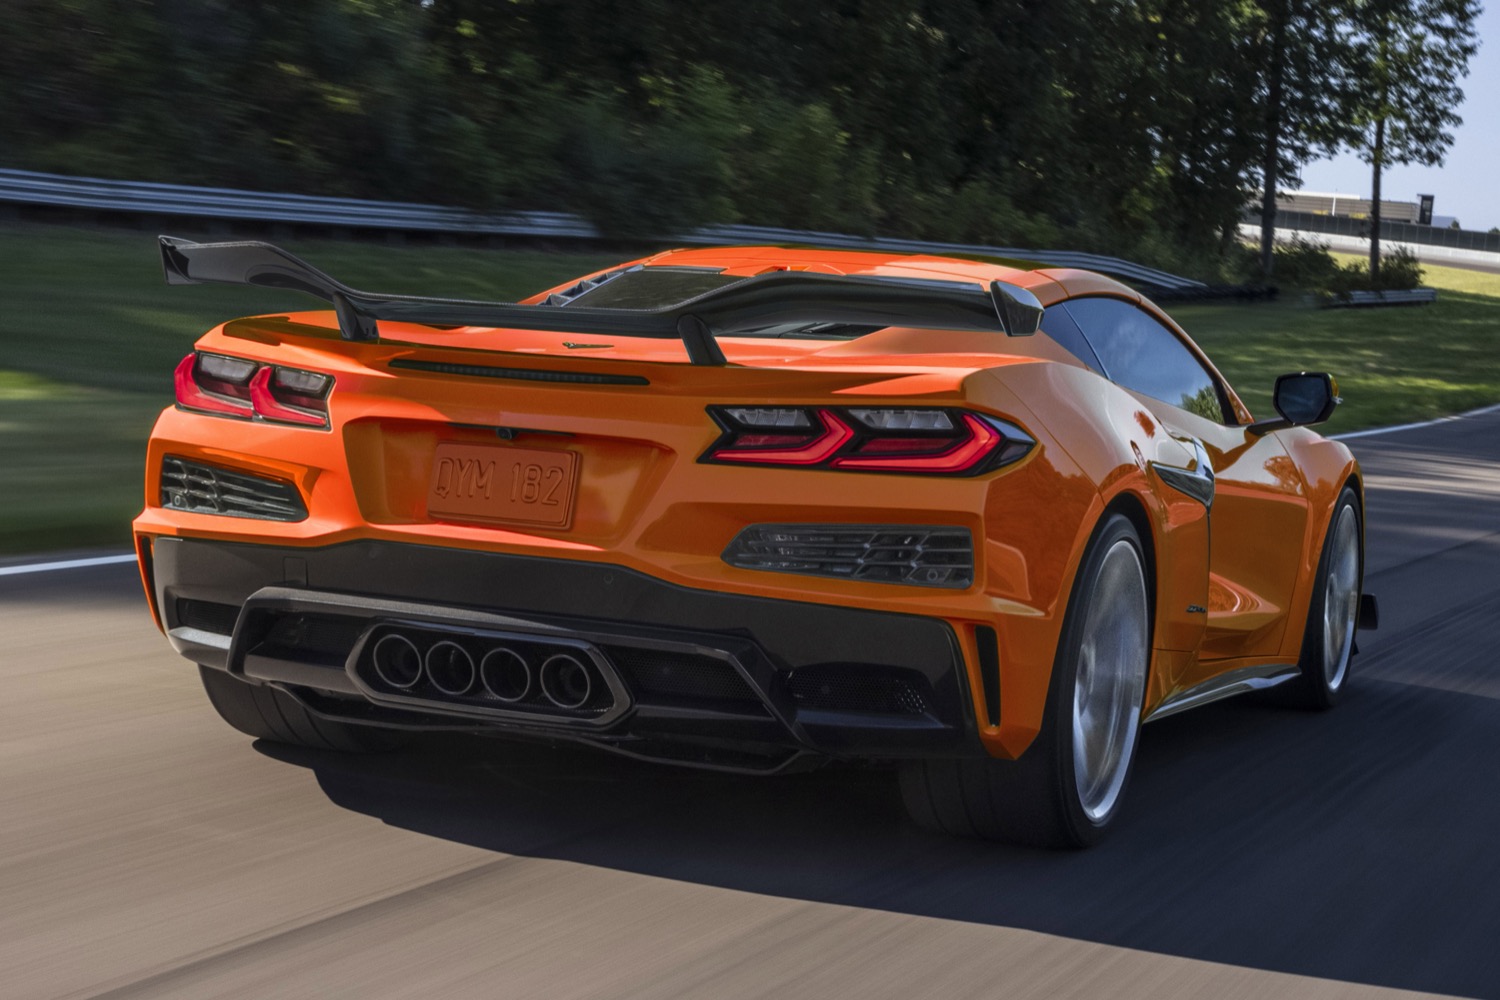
{"x":652,"y":288}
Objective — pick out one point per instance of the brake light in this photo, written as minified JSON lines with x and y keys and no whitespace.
{"x":954,"y":455}
{"x":808,"y":447}
{"x":194,"y":395}
{"x":216,"y":383}
{"x":929,"y":441}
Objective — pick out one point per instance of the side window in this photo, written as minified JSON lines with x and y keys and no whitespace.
{"x":1059,"y":325}
{"x":1140,"y":354}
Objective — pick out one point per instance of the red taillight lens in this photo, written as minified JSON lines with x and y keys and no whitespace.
{"x":216,"y":383}
{"x":883,"y":439}
{"x":953,"y":455}
{"x":810,"y":447}
{"x":195,"y":395}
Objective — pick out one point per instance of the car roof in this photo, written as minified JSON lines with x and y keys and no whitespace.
{"x":1049,"y":284}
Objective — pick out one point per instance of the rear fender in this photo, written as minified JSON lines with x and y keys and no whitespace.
{"x":1113,"y":441}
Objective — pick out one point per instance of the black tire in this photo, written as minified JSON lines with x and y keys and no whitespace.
{"x":1324,"y":667}
{"x":269,"y":714}
{"x":1037,"y":800}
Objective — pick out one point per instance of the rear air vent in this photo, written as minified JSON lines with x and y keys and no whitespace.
{"x":656,"y":675}
{"x":207,"y":489}
{"x":518,"y":374}
{"x":307,"y":638}
{"x":207,"y":616}
{"x":859,"y":689}
{"x":924,"y":556}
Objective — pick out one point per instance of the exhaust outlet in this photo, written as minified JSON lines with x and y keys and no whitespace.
{"x":397,"y":661}
{"x":450,"y":668}
{"x":505,"y":674}
{"x":566,"y":681}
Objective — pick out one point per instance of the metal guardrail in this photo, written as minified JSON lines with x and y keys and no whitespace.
{"x":1408,"y":297}
{"x":24,"y":187}
{"x":1401,"y":232}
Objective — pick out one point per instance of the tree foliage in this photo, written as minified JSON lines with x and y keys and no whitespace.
{"x":1138,"y":127}
{"x":1407,"y":58}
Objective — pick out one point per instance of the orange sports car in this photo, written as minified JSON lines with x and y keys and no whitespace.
{"x":750,"y":509}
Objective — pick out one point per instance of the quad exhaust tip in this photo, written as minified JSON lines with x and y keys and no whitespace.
{"x":566,"y":682}
{"x":397,"y":661}
{"x":505,"y":674}
{"x":450,"y":668}
{"x":427,"y":667}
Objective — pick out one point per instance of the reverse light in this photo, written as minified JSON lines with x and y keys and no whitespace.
{"x":219,"y":384}
{"x":275,"y":400}
{"x":929,"y":441}
{"x":904,"y":420}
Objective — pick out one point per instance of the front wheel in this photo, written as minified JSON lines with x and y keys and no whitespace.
{"x":1328,"y":642}
{"x":1066,"y":789}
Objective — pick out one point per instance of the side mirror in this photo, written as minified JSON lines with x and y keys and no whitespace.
{"x":1301,"y":398}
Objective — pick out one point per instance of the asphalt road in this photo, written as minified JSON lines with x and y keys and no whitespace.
{"x":147,"y":850}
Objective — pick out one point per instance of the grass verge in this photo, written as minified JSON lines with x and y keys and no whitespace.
{"x":89,"y":335}
{"x":1394,"y":365}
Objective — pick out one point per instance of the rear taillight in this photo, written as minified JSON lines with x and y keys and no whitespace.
{"x":216,"y":383}
{"x":929,"y":441}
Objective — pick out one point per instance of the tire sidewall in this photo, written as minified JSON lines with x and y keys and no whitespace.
{"x":1314,"y":679}
{"x":1079,"y":827}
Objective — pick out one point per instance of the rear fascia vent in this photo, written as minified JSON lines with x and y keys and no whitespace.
{"x":208,"y":489}
{"x":923,"y":556}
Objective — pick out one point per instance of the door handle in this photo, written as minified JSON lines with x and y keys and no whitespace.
{"x":1195,"y":480}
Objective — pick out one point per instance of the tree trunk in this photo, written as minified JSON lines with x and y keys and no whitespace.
{"x":1376,"y":163}
{"x":1272,"y":158}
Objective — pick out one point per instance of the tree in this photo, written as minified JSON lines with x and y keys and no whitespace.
{"x":1302,"y":70}
{"x":1408,"y":57}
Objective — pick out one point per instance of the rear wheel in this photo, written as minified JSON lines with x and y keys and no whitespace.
{"x":1328,"y":642}
{"x":1066,"y":789}
{"x":269,"y":714}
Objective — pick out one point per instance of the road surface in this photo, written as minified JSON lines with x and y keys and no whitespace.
{"x":147,"y":850}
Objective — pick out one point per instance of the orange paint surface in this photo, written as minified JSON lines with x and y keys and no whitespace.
{"x":643,"y":500}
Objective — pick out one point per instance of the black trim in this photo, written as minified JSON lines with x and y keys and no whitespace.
{"x":989,"y":671}
{"x":518,"y":374}
{"x":764,"y":640}
{"x":749,"y":304}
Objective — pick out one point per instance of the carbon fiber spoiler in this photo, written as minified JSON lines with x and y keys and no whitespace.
{"x":753,"y":303}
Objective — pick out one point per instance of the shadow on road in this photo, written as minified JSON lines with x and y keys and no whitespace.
{"x":1357,"y":845}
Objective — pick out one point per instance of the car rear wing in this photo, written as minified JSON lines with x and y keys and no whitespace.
{"x":750,"y":304}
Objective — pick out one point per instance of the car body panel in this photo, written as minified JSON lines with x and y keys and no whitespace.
{"x":1226,"y":594}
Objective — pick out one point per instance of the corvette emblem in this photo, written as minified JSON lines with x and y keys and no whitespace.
{"x":573,"y":347}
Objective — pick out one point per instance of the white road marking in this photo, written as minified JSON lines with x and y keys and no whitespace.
{"x":65,"y":564}
{"x":1482,"y":411}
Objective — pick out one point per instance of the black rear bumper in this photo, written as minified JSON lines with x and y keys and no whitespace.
{"x":691,"y":676}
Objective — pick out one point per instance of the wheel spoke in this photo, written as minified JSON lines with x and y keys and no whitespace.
{"x":1109,"y":680}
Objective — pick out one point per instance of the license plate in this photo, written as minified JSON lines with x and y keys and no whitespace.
{"x":511,"y":485}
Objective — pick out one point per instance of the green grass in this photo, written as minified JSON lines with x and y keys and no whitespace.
{"x":89,"y":335}
{"x":1394,"y":365}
